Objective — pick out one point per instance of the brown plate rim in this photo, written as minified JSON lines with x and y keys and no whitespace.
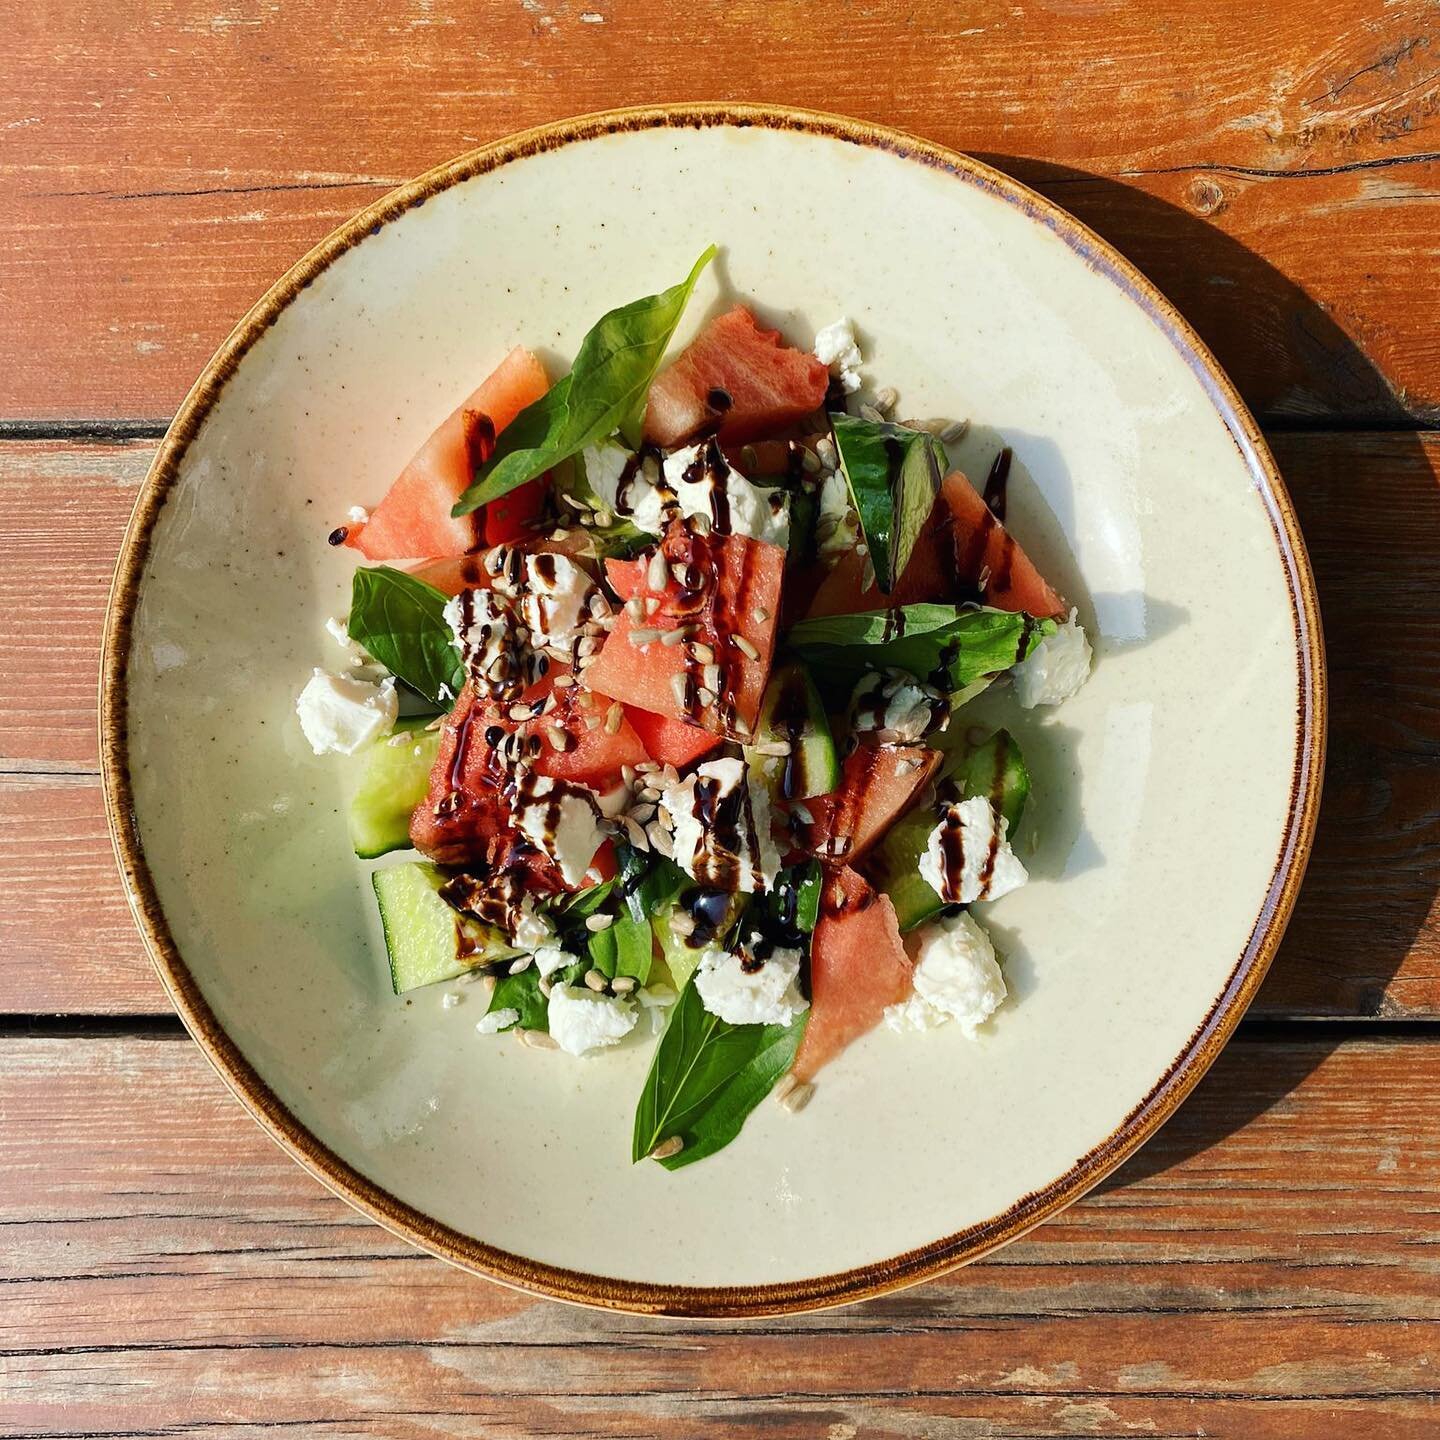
{"x":863,"y":1281}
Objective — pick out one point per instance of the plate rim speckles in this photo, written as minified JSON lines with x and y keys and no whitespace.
{"x":869,"y":1279}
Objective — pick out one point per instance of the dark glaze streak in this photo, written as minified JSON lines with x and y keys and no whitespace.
{"x":952,"y":854}
{"x":710,"y":467}
{"x":894,"y":626}
{"x":728,"y":826}
{"x":939,"y":677}
{"x":996,"y":483}
{"x":711,"y":911}
{"x":544,"y":564}
{"x":849,"y":800}
{"x":790,"y":719}
{"x":462,"y":746}
{"x":1027,"y":633}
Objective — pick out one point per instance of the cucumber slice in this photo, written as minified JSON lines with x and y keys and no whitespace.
{"x":793,"y":712}
{"x":994,"y":768}
{"x":393,"y":781}
{"x":426,"y":939}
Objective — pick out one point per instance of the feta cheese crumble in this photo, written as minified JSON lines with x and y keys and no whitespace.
{"x":357,"y":515}
{"x":1056,"y":668}
{"x":968,"y":856}
{"x":628,"y":490}
{"x":563,"y":821}
{"x":582,"y":1021}
{"x":480,"y":621}
{"x":340,"y":713}
{"x":550,"y":958}
{"x":495,"y":1021}
{"x":530,"y":931}
{"x":722,"y":828}
{"x":704,"y":483}
{"x":557,"y":600}
{"x":837,"y":348}
{"x":899,"y":705}
{"x":742,"y":990}
{"x":956,"y":978}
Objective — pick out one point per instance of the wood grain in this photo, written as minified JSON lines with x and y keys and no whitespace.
{"x":1366,"y":935}
{"x":1266,"y":1268}
{"x":162,"y":162}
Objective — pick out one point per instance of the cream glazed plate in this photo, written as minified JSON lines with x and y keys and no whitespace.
{"x":1174,"y":797}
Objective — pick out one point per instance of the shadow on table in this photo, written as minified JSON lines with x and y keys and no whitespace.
{"x":1302,"y":370}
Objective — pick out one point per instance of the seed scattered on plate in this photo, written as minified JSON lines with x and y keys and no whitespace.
{"x":666,"y":1148}
{"x":595,"y":979}
{"x":798,"y":1098}
{"x":745,"y":647}
{"x":598,"y":922}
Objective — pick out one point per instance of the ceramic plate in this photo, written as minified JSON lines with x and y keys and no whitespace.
{"x":1174,"y":797}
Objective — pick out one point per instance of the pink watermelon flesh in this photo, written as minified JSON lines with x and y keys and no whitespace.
{"x":413,"y":521}
{"x":736,"y":380}
{"x":858,"y":966}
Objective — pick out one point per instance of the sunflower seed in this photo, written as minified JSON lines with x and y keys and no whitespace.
{"x":704,"y":653}
{"x":598,"y":922}
{"x":826,"y":452}
{"x":623,"y":984}
{"x":490,"y":982}
{"x":545,"y":988}
{"x":809,"y":461}
{"x":773,"y":747}
{"x":905,"y":767}
{"x":652,"y":604}
{"x":592,"y":722}
{"x":954,"y":431}
{"x":635,"y":831}
{"x":564,"y":682}
{"x":586,"y":661}
{"x":644,"y":636}
{"x":798,"y":1098}
{"x":559,"y":534}
{"x":657,"y":576}
{"x":559,"y":737}
{"x":604,"y":519}
{"x":711,"y":678}
{"x":870,"y":413}
{"x":671,"y":776}
{"x":742,"y":727}
{"x":648,"y":792}
{"x":706,"y":697}
{"x":886,"y":736}
{"x":537,"y":1040}
{"x":518,"y":967}
{"x":885,"y":400}
{"x":647,"y":767}
{"x":745,"y":647}
{"x":679,"y":686}
{"x":700,"y":523}
{"x":666,"y":1148}
{"x":635,"y":608}
{"x":574,"y":501}
{"x":661,"y":841}
{"x":761,"y":614}
{"x":644,"y":812}
{"x":682,"y":923}
{"x":614,"y":718}
{"x":595,"y":979}
{"x":786,"y":1084}
{"x":675,"y":636}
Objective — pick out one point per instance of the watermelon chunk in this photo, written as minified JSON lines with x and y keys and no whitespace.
{"x":413,"y":521}
{"x":734,"y":379}
{"x":741,"y":581}
{"x":858,"y":966}
{"x":988,"y":558}
{"x":477,"y":826}
{"x":670,"y":742}
{"x":877,"y":784}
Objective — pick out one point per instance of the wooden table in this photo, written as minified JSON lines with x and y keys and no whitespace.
{"x":1267,"y":1267}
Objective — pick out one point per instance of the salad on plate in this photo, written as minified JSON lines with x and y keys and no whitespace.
{"x":661,"y":667}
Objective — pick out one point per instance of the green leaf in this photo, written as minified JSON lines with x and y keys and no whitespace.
{"x":587,"y":902}
{"x":945,"y":645}
{"x":706,"y":1078}
{"x":894,"y":475}
{"x":401,"y":622}
{"x":605,"y":391}
{"x":624,"y":948}
{"x":522,"y":993}
{"x":793,"y":904}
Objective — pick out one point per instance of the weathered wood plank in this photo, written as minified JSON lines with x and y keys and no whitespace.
{"x":168,"y":163}
{"x":1366,"y":936}
{"x":1265,"y":1268}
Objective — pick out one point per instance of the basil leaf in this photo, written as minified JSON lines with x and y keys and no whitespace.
{"x":605,"y":391}
{"x":522,"y":993}
{"x":944,"y":645}
{"x":401,"y":622}
{"x":649,"y":883}
{"x":894,"y":476}
{"x":792,"y":906}
{"x":624,"y":948}
{"x":706,"y":1078}
{"x":587,"y":902}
